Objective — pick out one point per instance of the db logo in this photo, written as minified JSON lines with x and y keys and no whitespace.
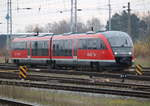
{"x":91,"y":54}
{"x":17,"y":54}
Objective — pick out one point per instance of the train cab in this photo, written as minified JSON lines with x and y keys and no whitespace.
{"x":122,"y":47}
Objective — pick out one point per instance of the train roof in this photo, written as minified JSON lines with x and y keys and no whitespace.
{"x":59,"y":36}
{"x":43,"y":36}
{"x":110,"y":34}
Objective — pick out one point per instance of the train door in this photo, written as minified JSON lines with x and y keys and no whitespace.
{"x":29,"y":49}
{"x":75,"y":53}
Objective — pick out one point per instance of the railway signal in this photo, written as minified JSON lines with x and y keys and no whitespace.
{"x":23,"y":72}
{"x":123,"y":76}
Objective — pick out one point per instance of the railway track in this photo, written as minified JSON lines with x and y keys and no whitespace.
{"x":10,"y":65}
{"x":117,"y":75}
{"x":78,"y":81}
{"x":142,"y":90}
{"x":77,"y":88}
{"x":99,"y":74}
{"x":8,"y":102}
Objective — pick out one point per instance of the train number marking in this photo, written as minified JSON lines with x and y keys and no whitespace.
{"x":91,"y":54}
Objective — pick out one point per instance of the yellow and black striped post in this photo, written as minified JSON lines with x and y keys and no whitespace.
{"x":138,"y":69}
{"x":23,"y":72}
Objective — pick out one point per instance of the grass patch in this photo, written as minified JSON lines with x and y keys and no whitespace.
{"x":144,"y":61}
{"x":142,"y":49}
{"x":60,"y":98}
{"x":2,"y":60}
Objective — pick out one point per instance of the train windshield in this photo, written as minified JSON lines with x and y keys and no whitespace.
{"x":120,"y":42}
{"x":119,"y":39}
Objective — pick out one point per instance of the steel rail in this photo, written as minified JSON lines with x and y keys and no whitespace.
{"x":79,"y":81}
{"x":77,"y":88}
{"x":14,"y":65}
{"x":96,"y":74}
{"x":13,"y":102}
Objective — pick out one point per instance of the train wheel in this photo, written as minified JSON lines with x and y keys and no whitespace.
{"x":76,"y":67}
{"x":52,"y":65}
{"x":97,"y":67}
{"x":49,"y":67}
{"x":32,"y":65}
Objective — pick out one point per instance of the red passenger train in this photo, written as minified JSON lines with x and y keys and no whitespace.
{"x":110,"y":49}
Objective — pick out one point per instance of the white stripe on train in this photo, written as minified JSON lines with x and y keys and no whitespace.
{"x":64,"y":59}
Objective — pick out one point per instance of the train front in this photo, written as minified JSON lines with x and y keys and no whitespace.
{"x":122,"y":47}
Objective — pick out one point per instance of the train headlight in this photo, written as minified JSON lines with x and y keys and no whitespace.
{"x":115,"y":53}
{"x":130,"y":53}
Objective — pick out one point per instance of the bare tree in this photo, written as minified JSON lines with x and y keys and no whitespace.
{"x":147,"y":21}
{"x":95,"y":24}
{"x":58,"y":27}
{"x":64,"y":27}
{"x":29,"y":28}
{"x":81,"y":27}
{"x":33,"y":28}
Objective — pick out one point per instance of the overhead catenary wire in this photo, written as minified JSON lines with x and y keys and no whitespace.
{"x":48,"y":8}
{"x":44,"y":7}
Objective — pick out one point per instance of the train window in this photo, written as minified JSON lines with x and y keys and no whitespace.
{"x":28,"y":48}
{"x":34,"y":46}
{"x":62,"y":47}
{"x":91,"y":43}
{"x":75,"y":42}
{"x":19,"y":45}
{"x":39,"y":48}
{"x":83,"y":44}
{"x":101,"y":44}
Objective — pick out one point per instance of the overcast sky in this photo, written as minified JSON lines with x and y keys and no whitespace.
{"x":47,"y":11}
